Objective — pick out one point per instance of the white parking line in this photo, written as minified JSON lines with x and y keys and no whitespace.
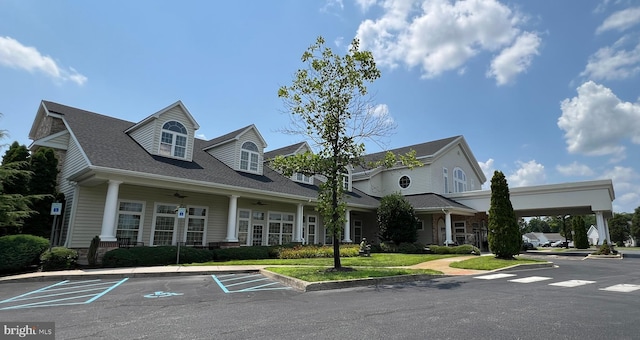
{"x":623,"y":288}
{"x":571,"y":283}
{"x":494,"y":276}
{"x":530,"y":279}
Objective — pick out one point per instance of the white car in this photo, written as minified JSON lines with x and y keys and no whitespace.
{"x":557,"y":244}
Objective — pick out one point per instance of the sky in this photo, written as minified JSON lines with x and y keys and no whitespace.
{"x":545,"y":91}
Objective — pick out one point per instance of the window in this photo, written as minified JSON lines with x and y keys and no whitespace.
{"x":249,"y":157}
{"x":244,"y":219}
{"x":173,"y":142}
{"x":404,"y":182}
{"x":309,"y":229}
{"x":196,"y":223}
{"x":299,"y":177}
{"x":280,"y":229}
{"x":419,"y":225}
{"x":357,"y":231}
{"x":164,"y":223}
{"x":445,"y":175}
{"x":460,"y":232}
{"x":459,"y":180}
{"x":130,"y":220}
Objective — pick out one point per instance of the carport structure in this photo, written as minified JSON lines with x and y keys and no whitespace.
{"x":573,"y":198}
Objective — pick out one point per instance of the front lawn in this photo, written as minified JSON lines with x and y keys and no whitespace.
{"x":490,"y":263}
{"x":375,"y":260}
{"x":318,"y":274}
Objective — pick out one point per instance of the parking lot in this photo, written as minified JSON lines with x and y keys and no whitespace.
{"x":177,"y":290}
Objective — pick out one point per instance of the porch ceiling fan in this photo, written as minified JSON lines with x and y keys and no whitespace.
{"x":258,"y":202}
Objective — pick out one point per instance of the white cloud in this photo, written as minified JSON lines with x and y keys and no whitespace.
{"x":620,"y":20}
{"x":381,"y":113}
{"x":515,"y":59}
{"x":487,"y":169}
{"x":14,"y":54}
{"x":613,"y":62}
{"x":440,"y":36}
{"x":529,"y":173}
{"x":365,"y":4}
{"x":597,"y":120}
{"x":625,"y":183}
{"x":575,"y":169}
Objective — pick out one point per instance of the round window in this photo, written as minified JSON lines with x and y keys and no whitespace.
{"x":404,"y":182}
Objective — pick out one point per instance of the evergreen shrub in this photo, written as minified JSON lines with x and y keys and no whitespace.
{"x":59,"y":258}
{"x":462,"y":249}
{"x":17,"y":252}
{"x":154,"y":256}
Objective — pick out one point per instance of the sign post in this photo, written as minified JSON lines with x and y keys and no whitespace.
{"x":56,"y":209}
{"x":182,"y":213}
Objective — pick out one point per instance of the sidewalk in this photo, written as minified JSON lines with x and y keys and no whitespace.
{"x":441,"y":265}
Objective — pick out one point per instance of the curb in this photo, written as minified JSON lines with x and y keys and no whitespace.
{"x":526,"y":266}
{"x":305,"y":286}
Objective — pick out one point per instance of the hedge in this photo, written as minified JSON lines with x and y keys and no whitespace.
{"x":59,"y":258}
{"x":18,"y":252}
{"x":154,"y":256}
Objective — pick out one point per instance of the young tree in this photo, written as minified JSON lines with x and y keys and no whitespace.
{"x":327,"y":105}
{"x":580,"y":239}
{"x":635,"y":225}
{"x":397,"y":220}
{"x":504,"y":235}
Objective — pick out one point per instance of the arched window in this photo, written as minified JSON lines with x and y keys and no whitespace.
{"x":173,"y":142}
{"x":459,"y":180}
{"x":249,"y":157}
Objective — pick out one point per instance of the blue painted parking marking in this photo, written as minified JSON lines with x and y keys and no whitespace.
{"x":64,"y":293}
{"x":239,"y":283}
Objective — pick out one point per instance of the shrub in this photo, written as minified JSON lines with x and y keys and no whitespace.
{"x":605,"y":249}
{"x":59,"y":258}
{"x":462,"y":249}
{"x":313,"y":251}
{"x":410,"y":248}
{"x":397,"y":220}
{"x":18,"y":252}
{"x":245,"y":253}
{"x":154,"y":256}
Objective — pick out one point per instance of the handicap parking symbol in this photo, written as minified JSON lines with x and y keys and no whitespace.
{"x":161,"y":294}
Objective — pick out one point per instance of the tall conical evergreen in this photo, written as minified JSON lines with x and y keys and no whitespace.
{"x":44,"y":166}
{"x":504,"y":233}
{"x":580,"y":239}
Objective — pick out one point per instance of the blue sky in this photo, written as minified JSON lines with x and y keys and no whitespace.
{"x":544,"y":91}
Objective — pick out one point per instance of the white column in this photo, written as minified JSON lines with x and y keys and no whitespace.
{"x":606,"y":231}
{"x":108,"y":232}
{"x":600,"y":224}
{"x":231,"y":220}
{"x":447,"y":220}
{"x":299,"y":223}
{"x":347,"y":227}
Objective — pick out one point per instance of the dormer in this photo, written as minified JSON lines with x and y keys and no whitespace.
{"x":290,"y":150}
{"x":241,"y":150}
{"x":167,"y":133}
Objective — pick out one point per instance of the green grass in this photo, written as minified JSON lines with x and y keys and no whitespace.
{"x":376,"y":260}
{"x":490,"y":263}
{"x":318,"y":274}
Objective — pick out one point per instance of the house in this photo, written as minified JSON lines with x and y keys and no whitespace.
{"x":592,"y":235}
{"x":153,"y":182}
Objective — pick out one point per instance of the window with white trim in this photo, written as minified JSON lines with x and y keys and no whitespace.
{"x":419,"y":224}
{"x":196,"y":225}
{"x":249,"y":157}
{"x":459,"y":180}
{"x":280,"y":230}
{"x":445,"y":178}
{"x":130,"y":214}
{"x":173,"y":141}
{"x":310,"y":229}
{"x":300,"y":177}
{"x":244,"y":220}
{"x":164,"y":224}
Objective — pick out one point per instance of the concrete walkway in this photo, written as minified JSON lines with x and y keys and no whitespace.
{"x":441,"y":265}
